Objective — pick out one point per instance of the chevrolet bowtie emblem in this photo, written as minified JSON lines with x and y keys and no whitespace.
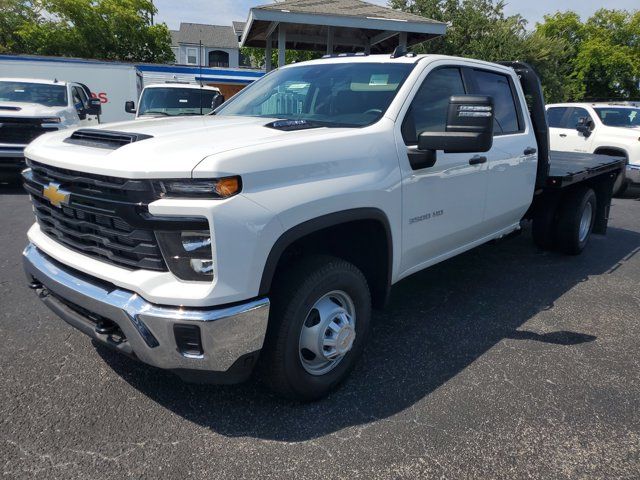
{"x":55,"y":195}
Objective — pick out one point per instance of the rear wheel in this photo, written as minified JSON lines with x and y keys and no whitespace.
{"x":575,"y":221}
{"x":317,"y":329}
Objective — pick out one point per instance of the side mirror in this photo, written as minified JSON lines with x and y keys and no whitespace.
{"x":584,"y":126}
{"x":217,"y":101}
{"x":469,"y":127}
{"x":130,"y":106}
{"x":95,"y":106}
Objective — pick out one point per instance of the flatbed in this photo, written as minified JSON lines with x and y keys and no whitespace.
{"x":569,"y":168}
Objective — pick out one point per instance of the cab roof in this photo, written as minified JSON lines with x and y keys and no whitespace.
{"x":191,"y":86}
{"x":34,"y":80}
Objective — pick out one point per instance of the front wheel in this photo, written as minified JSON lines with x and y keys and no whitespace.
{"x":318,"y":326}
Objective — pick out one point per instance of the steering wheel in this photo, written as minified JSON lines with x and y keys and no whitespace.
{"x":373,"y":110}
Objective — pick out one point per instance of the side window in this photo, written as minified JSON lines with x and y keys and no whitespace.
{"x":428,"y":110}
{"x":498,"y":86}
{"x":555,"y":115}
{"x":79,"y":97}
{"x":575,"y":116}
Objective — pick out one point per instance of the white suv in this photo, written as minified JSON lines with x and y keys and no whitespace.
{"x":598,"y":128}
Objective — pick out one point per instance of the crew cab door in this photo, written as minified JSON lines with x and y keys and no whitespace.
{"x":443,"y":204}
{"x":513,"y":158}
{"x":565,"y":137}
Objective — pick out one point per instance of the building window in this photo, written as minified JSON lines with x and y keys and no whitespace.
{"x":192,"y":56}
{"x":176,"y":53}
{"x":218,"y":58}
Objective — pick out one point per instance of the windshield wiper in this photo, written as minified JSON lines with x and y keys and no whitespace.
{"x":154,"y":112}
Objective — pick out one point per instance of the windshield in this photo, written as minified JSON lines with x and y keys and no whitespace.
{"x":619,"y":117}
{"x":42,"y":93}
{"x":177,"y":101}
{"x":333,"y":94}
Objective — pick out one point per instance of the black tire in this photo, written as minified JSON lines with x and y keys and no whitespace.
{"x":620,"y":186}
{"x":568,"y":238}
{"x":296,"y":293}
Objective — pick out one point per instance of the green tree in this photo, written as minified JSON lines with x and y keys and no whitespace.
{"x":13,"y":15}
{"x":480,"y":29}
{"x":101,"y":29}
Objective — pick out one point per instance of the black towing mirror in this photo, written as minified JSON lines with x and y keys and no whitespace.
{"x":130,"y":106}
{"x":469,"y":127}
{"x":95,"y":106}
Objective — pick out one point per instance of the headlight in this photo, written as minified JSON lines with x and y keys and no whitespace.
{"x":214,"y":188}
{"x":188,"y":254}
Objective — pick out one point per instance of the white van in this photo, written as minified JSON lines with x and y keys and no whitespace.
{"x":175,"y":99}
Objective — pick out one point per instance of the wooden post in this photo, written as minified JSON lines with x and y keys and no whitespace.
{"x":267,"y":54}
{"x":329,"y":40}
{"x":403,"y":39}
{"x":282,"y":45}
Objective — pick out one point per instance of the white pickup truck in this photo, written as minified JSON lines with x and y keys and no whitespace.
{"x":31,"y":107}
{"x":603,"y":128}
{"x":174,"y":100}
{"x":263,"y":235}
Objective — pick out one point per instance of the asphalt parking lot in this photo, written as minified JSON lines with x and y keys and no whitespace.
{"x":505,"y":362}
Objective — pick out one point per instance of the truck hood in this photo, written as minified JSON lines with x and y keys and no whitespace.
{"x":176,"y":146}
{"x":21,"y":109}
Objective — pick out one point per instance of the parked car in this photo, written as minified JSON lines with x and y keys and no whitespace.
{"x":604,"y":128}
{"x":175,"y":99}
{"x":31,"y":107}
{"x":263,"y":235}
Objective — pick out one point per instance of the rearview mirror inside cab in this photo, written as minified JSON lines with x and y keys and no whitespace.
{"x":469,"y":126}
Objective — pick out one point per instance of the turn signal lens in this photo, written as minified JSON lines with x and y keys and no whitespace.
{"x":227,"y":187}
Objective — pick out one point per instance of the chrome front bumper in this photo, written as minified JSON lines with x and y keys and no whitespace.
{"x":633,"y":173}
{"x":231,"y":337}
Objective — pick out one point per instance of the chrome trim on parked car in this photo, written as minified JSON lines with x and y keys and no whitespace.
{"x":227,"y":333}
{"x":633,"y":173}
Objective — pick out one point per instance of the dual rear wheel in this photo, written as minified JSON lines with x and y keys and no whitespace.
{"x":566,"y":226}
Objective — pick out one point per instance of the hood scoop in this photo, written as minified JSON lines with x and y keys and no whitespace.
{"x":104,"y":138}
{"x":10,"y":109}
{"x":291,"y":125}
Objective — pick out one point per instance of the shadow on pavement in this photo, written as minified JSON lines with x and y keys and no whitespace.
{"x":12,"y":189}
{"x":438,"y":323}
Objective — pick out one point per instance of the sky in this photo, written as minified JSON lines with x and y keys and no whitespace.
{"x":223,"y":12}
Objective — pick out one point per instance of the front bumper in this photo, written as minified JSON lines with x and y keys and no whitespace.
{"x":231,"y":337}
{"x":633,"y":173}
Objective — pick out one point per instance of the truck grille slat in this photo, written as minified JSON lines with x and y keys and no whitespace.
{"x":102,"y":218}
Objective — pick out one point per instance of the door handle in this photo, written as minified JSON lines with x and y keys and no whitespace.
{"x":477,"y":160}
{"x":563,"y":135}
{"x":530,"y":151}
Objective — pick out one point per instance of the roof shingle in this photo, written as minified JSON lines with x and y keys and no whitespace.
{"x":216,"y":36}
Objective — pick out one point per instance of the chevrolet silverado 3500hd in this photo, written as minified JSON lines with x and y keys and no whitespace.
{"x":262,"y":235}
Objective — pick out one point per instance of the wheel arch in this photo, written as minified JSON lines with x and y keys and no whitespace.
{"x":378,"y":276}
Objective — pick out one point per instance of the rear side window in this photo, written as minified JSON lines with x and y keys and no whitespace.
{"x":555,"y":115}
{"x":428,"y":110}
{"x":498,"y":86}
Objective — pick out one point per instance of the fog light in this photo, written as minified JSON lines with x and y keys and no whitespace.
{"x":188,"y":254}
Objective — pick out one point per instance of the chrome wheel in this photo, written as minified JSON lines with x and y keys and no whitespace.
{"x":585,"y":222}
{"x":328,"y":333}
